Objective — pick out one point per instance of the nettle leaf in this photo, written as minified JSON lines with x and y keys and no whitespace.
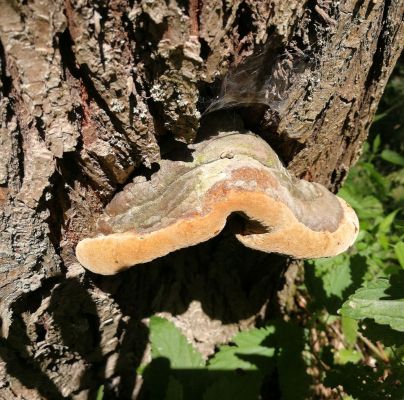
{"x":168,"y":342}
{"x":337,"y":279}
{"x":331,"y":280}
{"x":375,"y":301}
{"x":368,"y":207}
{"x":245,"y":363}
{"x":385,"y":224}
{"x":334,"y":273}
{"x":256,"y":353}
{"x":246,"y":353}
{"x":399,"y":250}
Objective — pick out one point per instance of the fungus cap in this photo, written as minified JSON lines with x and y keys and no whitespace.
{"x":186,"y":203}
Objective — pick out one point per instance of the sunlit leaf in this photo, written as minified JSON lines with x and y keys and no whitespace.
{"x":385,"y":224}
{"x":333,"y":274}
{"x":375,"y":302}
{"x":344,"y":356}
{"x":349,"y":329}
{"x":392,"y":157}
{"x":100,"y":393}
{"x":167,"y":341}
{"x":376,"y":142}
{"x":247,"y":347}
{"x":399,"y":250}
{"x":378,"y":117}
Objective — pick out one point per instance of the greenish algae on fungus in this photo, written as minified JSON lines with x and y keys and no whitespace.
{"x":186,"y":203}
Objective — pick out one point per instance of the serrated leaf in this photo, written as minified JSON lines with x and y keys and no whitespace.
{"x":366,"y":207}
{"x":392,"y":157}
{"x":246,"y":346}
{"x":386,"y":222}
{"x":167,"y":341}
{"x":337,"y":280}
{"x":334,"y":273}
{"x":374,"y":302}
{"x":253,"y":337}
{"x":399,"y":250}
{"x":258,"y":351}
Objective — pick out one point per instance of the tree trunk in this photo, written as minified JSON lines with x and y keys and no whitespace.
{"x":94,"y":94}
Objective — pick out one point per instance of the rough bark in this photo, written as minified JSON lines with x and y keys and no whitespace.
{"x":95,"y":93}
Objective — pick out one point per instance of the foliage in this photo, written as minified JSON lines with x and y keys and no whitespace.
{"x":100,"y":393}
{"x":377,"y":301}
{"x":236,"y":371}
{"x":167,"y":341}
{"x":359,"y":295}
{"x":348,"y":342}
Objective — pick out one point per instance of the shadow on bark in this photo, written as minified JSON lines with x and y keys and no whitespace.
{"x":20,"y":364}
{"x":231,"y":282}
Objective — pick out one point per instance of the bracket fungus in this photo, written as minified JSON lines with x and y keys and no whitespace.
{"x":186,"y":203}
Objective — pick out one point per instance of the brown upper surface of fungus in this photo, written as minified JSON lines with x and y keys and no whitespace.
{"x":186,"y":203}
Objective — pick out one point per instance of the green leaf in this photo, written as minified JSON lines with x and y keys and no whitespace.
{"x":385,"y":224}
{"x":167,"y":341}
{"x":100,"y":393}
{"x":257,"y":352}
{"x":392,"y":157}
{"x":246,"y":352}
{"x":374,"y":302}
{"x":349,"y":329}
{"x":344,"y":356}
{"x":399,"y":250}
{"x":335,"y":274}
{"x":366,"y":207}
{"x":376,"y":143}
{"x":337,"y":280}
{"x":330,"y":281}
{"x":378,"y":117}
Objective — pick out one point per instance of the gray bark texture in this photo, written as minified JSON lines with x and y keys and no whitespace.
{"x":94,"y":93}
